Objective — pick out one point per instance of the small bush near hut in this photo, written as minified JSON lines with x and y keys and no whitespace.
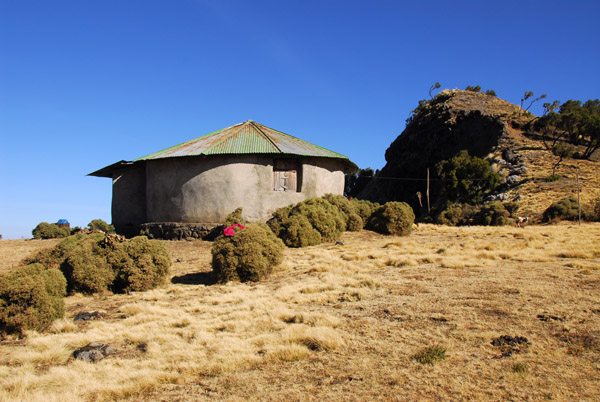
{"x":492,"y":214}
{"x":565,"y":209}
{"x":393,"y":218}
{"x":249,"y":255}
{"x":364,"y":209}
{"x":99,"y":224}
{"x":297,"y":231}
{"x":31,"y":298}
{"x":45,"y":230}
{"x":308,"y":223}
{"x":353,"y":220}
{"x":94,"y":263}
{"x":140,"y":265}
{"x":234,"y":217}
{"x":326,"y":218}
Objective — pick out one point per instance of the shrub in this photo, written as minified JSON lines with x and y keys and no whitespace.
{"x":297,"y":231}
{"x":248,"y":255}
{"x":234,"y":217}
{"x":46,"y":230}
{"x":566,"y":209}
{"x":468,"y":178}
{"x":493,"y":214}
{"x":99,"y":224}
{"x":31,"y":298}
{"x":280,"y":216}
{"x":352,"y":219}
{"x":364,"y":208}
{"x":308,"y":223}
{"x":323,"y":216}
{"x":141,"y":264}
{"x":596,"y":210}
{"x":451,"y":216}
{"x":394,"y":218}
{"x":91,"y":264}
{"x":430,"y":354}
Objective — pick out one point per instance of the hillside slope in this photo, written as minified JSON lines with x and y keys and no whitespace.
{"x":488,"y":127}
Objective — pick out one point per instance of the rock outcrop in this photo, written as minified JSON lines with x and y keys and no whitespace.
{"x":454,"y":120}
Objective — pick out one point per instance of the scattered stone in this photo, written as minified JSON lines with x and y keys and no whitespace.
{"x":509,"y":156}
{"x":438,"y":319}
{"x":86,"y":316}
{"x":93,"y":352}
{"x":507,"y":340}
{"x":546,"y":317}
{"x":339,"y":243}
{"x":518,"y":197}
{"x":513,"y":180}
{"x":179,"y":260}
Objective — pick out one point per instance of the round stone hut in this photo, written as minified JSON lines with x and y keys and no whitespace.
{"x":196,"y":184}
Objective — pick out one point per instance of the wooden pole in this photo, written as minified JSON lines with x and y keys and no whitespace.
{"x":428,"y":206}
{"x":578,"y":195}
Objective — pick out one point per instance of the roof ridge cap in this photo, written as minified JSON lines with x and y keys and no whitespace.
{"x":256,"y":125}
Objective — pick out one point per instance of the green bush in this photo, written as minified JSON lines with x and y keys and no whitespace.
{"x":393,"y":218}
{"x":140,"y":264}
{"x":234,"y":217}
{"x":364,"y":208}
{"x":249,"y":255}
{"x":46,"y":230}
{"x":99,"y":224}
{"x":92,"y":264}
{"x":352,"y":219}
{"x":493,"y":214}
{"x":31,"y":298}
{"x":467,"y":178}
{"x":297,"y":231}
{"x":596,"y":210}
{"x":565,"y":209}
{"x":430,"y":355}
{"x":321,"y":221}
{"x":276,"y":222}
{"x":451,"y":216}
{"x":323,"y":216}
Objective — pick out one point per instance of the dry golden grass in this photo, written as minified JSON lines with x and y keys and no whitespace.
{"x":341,"y":323}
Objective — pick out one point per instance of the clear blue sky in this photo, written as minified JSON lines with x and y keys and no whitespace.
{"x":84,"y":84}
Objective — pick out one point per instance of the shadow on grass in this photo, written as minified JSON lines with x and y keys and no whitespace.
{"x":199,"y":278}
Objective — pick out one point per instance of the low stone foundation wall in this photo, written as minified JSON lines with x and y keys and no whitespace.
{"x":179,"y":231}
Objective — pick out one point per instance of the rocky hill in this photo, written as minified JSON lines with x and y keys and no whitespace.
{"x":490,"y":128}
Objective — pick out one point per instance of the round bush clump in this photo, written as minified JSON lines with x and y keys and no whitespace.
{"x":46,"y":230}
{"x":393,"y":218}
{"x":234,"y":217}
{"x":352,"y":219}
{"x":140,"y":264}
{"x":249,"y":255}
{"x":493,"y":214}
{"x":323,"y":216}
{"x":94,"y":263}
{"x":565,"y":209}
{"x":31,"y":298}
{"x":364,"y":208}
{"x":451,"y":216}
{"x":277,"y":220}
{"x":99,"y":224}
{"x":297,"y":231}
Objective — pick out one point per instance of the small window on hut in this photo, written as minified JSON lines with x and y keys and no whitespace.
{"x":285,"y":175}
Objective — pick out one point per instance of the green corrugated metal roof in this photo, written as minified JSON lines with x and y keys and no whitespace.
{"x":248,"y":137}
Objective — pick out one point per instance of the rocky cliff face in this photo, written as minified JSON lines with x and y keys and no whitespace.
{"x":454,"y":120}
